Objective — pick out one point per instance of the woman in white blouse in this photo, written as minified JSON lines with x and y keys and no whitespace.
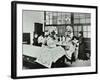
{"x":50,"y":53}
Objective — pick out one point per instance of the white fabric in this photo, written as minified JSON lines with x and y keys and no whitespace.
{"x":40,"y":39}
{"x":70,"y":48}
{"x":45,"y":55}
{"x":49,"y":55}
{"x":51,"y":42}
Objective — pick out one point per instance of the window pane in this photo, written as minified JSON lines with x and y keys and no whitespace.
{"x":50,"y":21}
{"x":85,"y":34}
{"x":85,"y":28}
{"x":82,"y":20}
{"x":76,"y":15}
{"x":76,"y":21}
{"x":63,"y":18}
{"x":50,"y":15}
{"x":79,"y":28}
{"x":89,"y":28}
{"x":75,"y":28}
{"x":61,"y":30}
{"x":54,"y":21}
{"x":87,"y":15}
{"x":89,"y":34}
{"x":47,"y":19}
{"x":59,"y":21}
{"x":82,"y":15}
{"x":88,"y":20}
{"x":68,"y":20}
{"x":63,"y":21}
{"x":55,"y":14}
{"x":75,"y":33}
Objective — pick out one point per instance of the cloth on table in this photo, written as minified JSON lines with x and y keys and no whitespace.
{"x":69,"y":48}
{"x":32,"y":51}
{"x":49,"y":55}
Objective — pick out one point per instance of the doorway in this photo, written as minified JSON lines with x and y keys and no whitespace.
{"x":38,"y":28}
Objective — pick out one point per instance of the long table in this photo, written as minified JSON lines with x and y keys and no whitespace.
{"x":45,"y":55}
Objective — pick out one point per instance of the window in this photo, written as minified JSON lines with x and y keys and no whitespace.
{"x":57,"y":18}
{"x":86,"y":31}
{"x":81,"y":22}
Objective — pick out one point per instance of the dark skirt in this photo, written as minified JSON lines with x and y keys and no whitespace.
{"x":82,"y":54}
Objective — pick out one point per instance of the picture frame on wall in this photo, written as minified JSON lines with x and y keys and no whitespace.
{"x":50,"y":39}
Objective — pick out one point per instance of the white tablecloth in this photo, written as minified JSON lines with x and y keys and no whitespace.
{"x":49,"y":55}
{"x":45,"y":55}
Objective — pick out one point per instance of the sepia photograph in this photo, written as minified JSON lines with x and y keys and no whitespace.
{"x":53,"y":39}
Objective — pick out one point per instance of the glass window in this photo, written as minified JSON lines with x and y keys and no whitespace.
{"x":50,"y":15}
{"x":76,"y":21}
{"x":89,"y":28}
{"x":75,"y":33}
{"x":75,"y":28}
{"x":47,"y":22}
{"x":88,"y":20}
{"x":89,"y":34}
{"x":59,"y":21}
{"x":88,"y":15}
{"x":50,"y":21}
{"x":82,"y":15}
{"x":85,"y":34}
{"x":79,"y":28}
{"x":82,"y":20}
{"x":76,"y":15}
{"x":54,"y":21}
{"x":85,"y":28}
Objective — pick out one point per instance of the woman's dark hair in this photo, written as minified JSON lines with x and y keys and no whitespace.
{"x":53,"y":33}
{"x":81,"y":33}
{"x":74,"y":37}
{"x":42,"y":34}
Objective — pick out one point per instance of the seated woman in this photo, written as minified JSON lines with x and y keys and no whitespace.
{"x":40,"y":39}
{"x":51,"y":39}
{"x":69,"y":48}
{"x":50,"y":53}
{"x":75,"y":42}
{"x":82,"y":55}
{"x":35,"y":39}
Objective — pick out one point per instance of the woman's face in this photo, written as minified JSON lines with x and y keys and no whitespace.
{"x":65,"y":33}
{"x":35,"y":35}
{"x":53,"y":32}
{"x":79,"y":34}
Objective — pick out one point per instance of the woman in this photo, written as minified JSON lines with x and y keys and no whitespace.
{"x":40,"y":39}
{"x":35,"y":40}
{"x":50,"y":53}
{"x":76,"y":45}
{"x":81,"y":54}
{"x":71,"y":47}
